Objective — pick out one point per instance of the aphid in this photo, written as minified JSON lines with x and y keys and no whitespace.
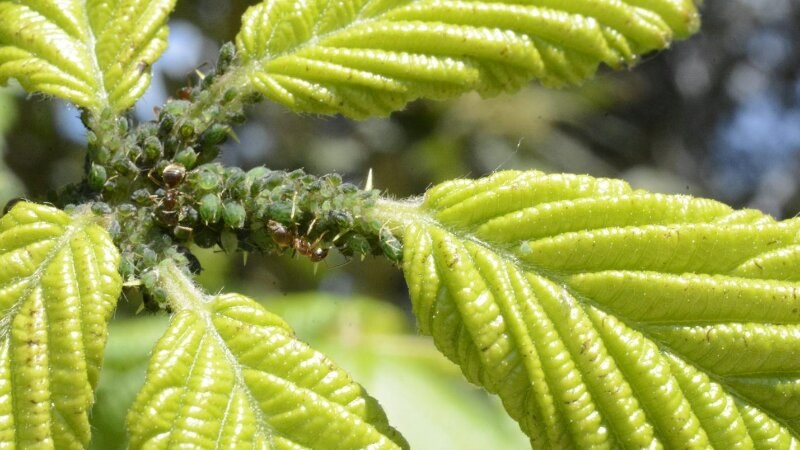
{"x":233,"y":214}
{"x":192,"y":261}
{"x":210,"y":208}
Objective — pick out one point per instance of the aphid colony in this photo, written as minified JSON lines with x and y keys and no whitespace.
{"x":171,"y":212}
{"x":158,"y":184}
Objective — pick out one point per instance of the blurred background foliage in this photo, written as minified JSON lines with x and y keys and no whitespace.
{"x":715,"y":116}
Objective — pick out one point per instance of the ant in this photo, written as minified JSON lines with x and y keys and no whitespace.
{"x":173,"y":176}
{"x":284,"y":238}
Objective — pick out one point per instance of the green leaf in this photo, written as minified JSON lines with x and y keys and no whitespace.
{"x":611,"y":317}
{"x":58,"y":287}
{"x":229,"y":374}
{"x":374,"y":341}
{"x":370,"y":57}
{"x":96,"y":54}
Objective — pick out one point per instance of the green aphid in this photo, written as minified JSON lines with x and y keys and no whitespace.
{"x":101,"y":208}
{"x":171,"y":145}
{"x":207,"y":154}
{"x":207,"y":81}
{"x":149,"y":257}
{"x":229,"y":241}
{"x":97,"y":177}
{"x":205,"y":180}
{"x":99,"y":153}
{"x":230,"y":95}
{"x":280,"y":211}
{"x":234,"y":215}
{"x":189,"y":216}
{"x":226,"y":55}
{"x":127,"y":268}
{"x":175,"y":108}
{"x":210,"y":209}
{"x":126,"y":210}
{"x":392,"y":248}
{"x":166,"y":123}
{"x":149,"y":279}
{"x":356,"y":244}
{"x":152,"y":149}
{"x":186,"y":157}
{"x":187,"y":131}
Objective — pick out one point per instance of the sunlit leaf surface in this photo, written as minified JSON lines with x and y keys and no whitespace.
{"x":609,"y":317}
{"x":94,"y":53}
{"x":229,"y":374}
{"x":370,"y":57}
{"x":58,"y":287}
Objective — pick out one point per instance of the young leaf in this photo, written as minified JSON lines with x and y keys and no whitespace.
{"x":96,"y":54}
{"x":58,"y":287}
{"x":229,"y":374}
{"x":611,"y":317}
{"x":370,"y":57}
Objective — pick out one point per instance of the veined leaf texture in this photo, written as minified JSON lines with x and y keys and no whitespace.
{"x":362,"y":58}
{"x":94,"y":53}
{"x":229,"y":374}
{"x":58,"y":287}
{"x":609,"y":317}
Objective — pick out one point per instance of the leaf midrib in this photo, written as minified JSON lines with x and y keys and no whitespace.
{"x":102,"y":93}
{"x":187,"y":297}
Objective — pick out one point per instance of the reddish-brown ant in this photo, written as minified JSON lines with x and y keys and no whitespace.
{"x":285,"y":238}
